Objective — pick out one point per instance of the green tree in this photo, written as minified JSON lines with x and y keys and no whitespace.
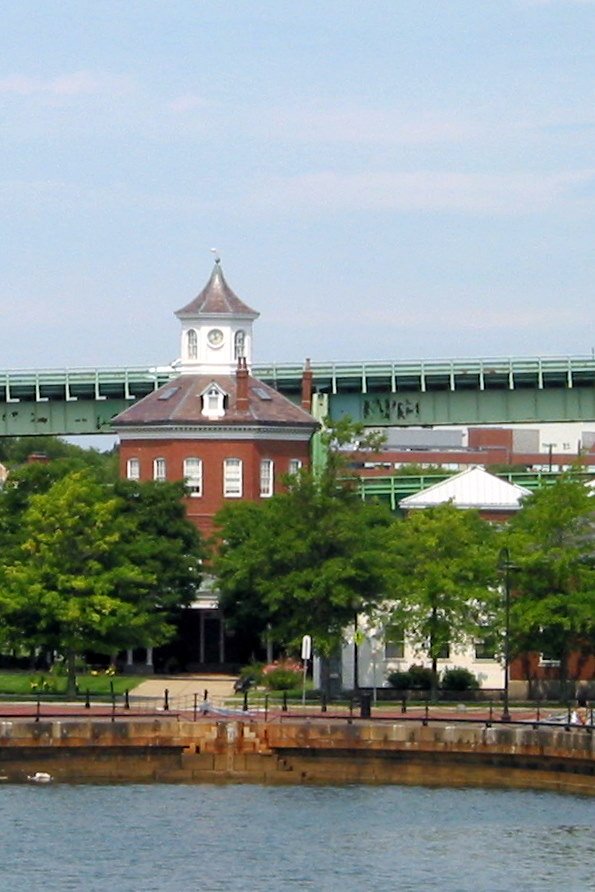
{"x":159,"y":538}
{"x":61,"y":587}
{"x":552,"y":551}
{"x":305,"y":561}
{"x":442,"y":585}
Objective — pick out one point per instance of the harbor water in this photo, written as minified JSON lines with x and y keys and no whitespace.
{"x":252,"y":838}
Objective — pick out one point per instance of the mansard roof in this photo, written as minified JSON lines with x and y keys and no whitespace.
{"x":216,"y":299}
{"x":472,"y":488}
{"x":179,"y":404}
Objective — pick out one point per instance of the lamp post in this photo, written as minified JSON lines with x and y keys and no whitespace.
{"x":505,"y":565}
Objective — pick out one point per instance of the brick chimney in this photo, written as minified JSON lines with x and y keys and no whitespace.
{"x":307,"y":381}
{"x":242,"y":385}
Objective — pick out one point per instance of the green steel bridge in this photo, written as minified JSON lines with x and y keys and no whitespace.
{"x":401,"y":393}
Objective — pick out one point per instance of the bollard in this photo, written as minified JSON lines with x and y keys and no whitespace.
{"x":365,"y":705}
{"x":195,"y":708}
{"x":126,"y":699}
{"x":323,"y":703}
{"x":87,"y":699}
{"x":166,"y":700}
{"x":284,"y":706}
{"x":245,"y":706}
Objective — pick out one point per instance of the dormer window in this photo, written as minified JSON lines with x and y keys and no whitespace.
{"x":239,"y":344}
{"x":192,"y":344}
{"x":213,"y":401}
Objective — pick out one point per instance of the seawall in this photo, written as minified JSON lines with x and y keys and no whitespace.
{"x":298,"y":751}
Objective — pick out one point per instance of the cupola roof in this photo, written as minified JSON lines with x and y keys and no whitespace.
{"x":216,"y":299}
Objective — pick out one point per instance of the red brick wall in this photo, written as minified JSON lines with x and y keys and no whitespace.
{"x":202,"y":509}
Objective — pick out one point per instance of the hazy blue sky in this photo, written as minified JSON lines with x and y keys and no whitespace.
{"x":384,"y":179}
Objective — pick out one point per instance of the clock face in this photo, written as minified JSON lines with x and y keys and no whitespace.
{"x":215,"y":337}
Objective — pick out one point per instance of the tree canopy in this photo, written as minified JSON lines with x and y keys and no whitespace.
{"x":552,"y":553}
{"x":302,"y":562}
{"x":443,"y":590}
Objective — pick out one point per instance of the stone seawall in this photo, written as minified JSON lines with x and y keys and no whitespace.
{"x":300,"y":751}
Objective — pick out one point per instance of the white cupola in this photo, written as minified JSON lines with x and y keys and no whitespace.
{"x":216,"y":329}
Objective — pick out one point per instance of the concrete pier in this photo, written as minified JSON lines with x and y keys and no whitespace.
{"x":297,"y":751}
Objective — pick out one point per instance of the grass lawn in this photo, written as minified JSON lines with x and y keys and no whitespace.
{"x":29,"y":684}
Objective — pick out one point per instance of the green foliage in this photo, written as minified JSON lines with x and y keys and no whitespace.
{"x":443,"y":570}
{"x":14,"y":451}
{"x":416,"y":678}
{"x":400,"y":680}
{"x":302,"y":562}
{"x":552,"y":570}
{"x":458,"y":679}
{"x":85,"y":567}
{"x":282,"y":679}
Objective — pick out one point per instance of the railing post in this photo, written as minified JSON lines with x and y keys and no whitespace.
{"x":126,"y":699}
{"x":284,"y":706}
{"x":166,"y":700}
{"x":491,"y":711}
{"x":323,"y":702}
{"x":38,"y":710}
{"x":195,"y":708}
{"x":113,"y":706}
{"x":266,"y":707}
{"x":350,"y":719}
{"x":205,"y":695}
{"x":87,"y":699}
{"x":426,"y":714}
{"x":245,"y":706}
{"x":404,"y":704}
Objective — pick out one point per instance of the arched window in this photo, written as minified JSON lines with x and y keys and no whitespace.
{"x":239,"y":344}
{"x":192,"y":343}
{"x":133,"y":469}
{"x":193,"y":476}
{"x":159,"y":469}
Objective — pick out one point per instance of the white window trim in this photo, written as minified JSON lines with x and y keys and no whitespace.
{"x":233,"y":483}
{"x":267,"y":478}
{"x":157,"y":464}
{"x":130,"y":464}
{"x":192,"y":343}
{"x":193,"y":481}
{"x":297,"y":465}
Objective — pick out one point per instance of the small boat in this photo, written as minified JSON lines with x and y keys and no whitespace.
{"x":40,"y":777}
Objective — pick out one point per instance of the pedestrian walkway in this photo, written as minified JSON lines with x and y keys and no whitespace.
{"x":218,"y":687}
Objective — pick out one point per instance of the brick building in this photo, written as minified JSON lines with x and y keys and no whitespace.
{"x":228,"y":435}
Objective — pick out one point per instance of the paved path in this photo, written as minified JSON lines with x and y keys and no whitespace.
{"x":218,"y":686}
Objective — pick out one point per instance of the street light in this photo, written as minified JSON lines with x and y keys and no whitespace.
{"x":505,"y":565}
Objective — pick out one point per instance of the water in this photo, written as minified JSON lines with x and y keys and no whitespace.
{"x":173,"y":838}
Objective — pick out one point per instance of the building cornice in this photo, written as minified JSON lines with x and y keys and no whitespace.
{"x":220,"y":432}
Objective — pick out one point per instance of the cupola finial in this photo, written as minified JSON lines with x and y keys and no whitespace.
{"x":217,"y":254}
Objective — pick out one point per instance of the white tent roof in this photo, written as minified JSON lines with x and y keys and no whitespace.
{"x":473,"y":488}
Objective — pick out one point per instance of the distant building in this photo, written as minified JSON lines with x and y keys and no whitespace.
{"x":229,"y":436}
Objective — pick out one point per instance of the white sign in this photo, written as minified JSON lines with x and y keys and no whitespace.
{"x":306,"y":647}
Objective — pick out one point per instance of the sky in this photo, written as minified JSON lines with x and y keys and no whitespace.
{"x":384,"y":179}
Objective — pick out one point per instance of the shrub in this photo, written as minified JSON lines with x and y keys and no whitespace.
{"x":420,"y":678}
{"x":458,"y":679}
{"x":252,"y":673}
{"x":282,"y":675}
{"x":399,"y":680}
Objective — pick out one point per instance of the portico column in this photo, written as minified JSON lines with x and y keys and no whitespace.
{"x":129,"y":657}
{"x":149,"y":660}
